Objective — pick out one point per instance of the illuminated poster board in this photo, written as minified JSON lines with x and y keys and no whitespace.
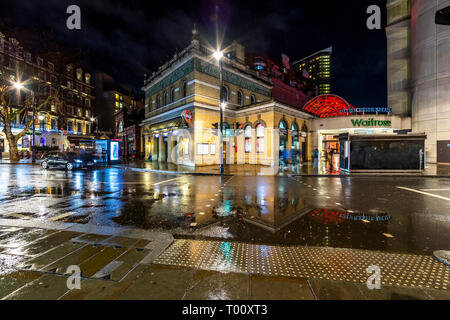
{"x":114,"y":151}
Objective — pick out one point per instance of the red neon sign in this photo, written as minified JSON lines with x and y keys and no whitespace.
{"x":328,"y":105}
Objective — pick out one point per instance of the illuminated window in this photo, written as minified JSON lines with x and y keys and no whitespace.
{"x":248,"y":139}
{"x":260,"y":138}
{"x":117,"y":96}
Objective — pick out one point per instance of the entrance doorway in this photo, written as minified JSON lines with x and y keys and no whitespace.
{"x":443,"y":154}
{"x":330,"y":153}
{"x":166,"y":149}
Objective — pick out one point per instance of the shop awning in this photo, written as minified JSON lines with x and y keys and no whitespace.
{"x":169,"y":124}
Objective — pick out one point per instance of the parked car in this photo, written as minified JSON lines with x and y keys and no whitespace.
{"x":67,"y":160}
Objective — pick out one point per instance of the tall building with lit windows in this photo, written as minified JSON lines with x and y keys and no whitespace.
{"x":58,"y":124}
{"x":111,"y":98}
{"x":316,"y":67}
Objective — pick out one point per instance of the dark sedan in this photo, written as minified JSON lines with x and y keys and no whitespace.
{"x":67,"y":160}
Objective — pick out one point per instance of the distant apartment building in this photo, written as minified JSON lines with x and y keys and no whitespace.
{"x":289,"y":88}
{"x":317,"y":68}
{"x":63,"y":124}
{"x":112,"y":97}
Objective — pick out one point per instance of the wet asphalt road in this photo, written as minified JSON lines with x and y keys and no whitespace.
{"x":405,"y":215}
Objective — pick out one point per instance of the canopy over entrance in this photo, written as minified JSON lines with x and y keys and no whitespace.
{"x":328,"y":105}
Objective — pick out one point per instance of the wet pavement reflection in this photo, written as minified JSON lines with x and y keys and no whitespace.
{"x":361,"y":213}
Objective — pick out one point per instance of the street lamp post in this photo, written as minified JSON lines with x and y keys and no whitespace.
{"x":219,"y":55}
{"x":33,"y":156}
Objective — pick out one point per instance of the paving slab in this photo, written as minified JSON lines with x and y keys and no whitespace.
{"x":45,"y":244}
{"x":94,"y":289}
{"x":22,"y":237}
{"x":15,"y":280}
{"x":51,"y":256}
{"x":92,"y":238}
{"x":160,"y":283}
{"x":46,"y":287}
{"x":74,"y":259}
{"x":279,"y":288}
{"x":91,"y":266}
{"x":211,"y":285}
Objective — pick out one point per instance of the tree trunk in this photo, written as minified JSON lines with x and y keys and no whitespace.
{"x":13,"y":152}
{"x":12,"y":141}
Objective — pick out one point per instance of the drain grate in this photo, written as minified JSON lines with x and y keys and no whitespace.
{"x":350,"y":265}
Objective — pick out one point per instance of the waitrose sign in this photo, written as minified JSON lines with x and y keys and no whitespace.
{"x":371,"y":123}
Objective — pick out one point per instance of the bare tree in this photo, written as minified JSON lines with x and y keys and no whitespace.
{"x":8,"y":114}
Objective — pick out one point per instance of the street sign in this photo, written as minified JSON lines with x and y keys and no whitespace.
{"x":187,"y":116}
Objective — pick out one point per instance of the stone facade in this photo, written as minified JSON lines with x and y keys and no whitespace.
{"x":190,"y":83}
{"x":419,"y":70}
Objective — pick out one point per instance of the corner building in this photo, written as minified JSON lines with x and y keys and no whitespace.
{"x":182,"y":112}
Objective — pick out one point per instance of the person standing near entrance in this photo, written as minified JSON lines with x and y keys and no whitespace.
{"x":104,"y":156}
{"x":331,"y":157}
{"x":315,"y":157}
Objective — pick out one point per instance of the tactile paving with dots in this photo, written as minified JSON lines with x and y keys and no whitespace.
{"x":350,"y":265}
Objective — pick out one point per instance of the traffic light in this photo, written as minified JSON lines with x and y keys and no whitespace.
{"x":215,"y":125}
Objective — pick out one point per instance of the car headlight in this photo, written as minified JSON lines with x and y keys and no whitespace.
{"x":78,"y":161}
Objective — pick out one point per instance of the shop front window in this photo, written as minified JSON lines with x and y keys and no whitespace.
{"x":248,"y":139}
{"x":260,"y":138}
{"x":295,"y":137}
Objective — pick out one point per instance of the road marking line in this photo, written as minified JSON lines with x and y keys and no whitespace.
{"x":435,"y":189}
{"x":20,"y":216}
{"x":62,"y":216}
{"x":425,"y":193}
{"x":157,"y":184}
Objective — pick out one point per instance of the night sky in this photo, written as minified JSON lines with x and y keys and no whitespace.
{"x":129,"y":38}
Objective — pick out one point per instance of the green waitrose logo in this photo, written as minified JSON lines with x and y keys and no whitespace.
{"x":371,"y":123}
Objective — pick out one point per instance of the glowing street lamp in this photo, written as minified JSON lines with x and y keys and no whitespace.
{"x":218,"y":55}
{"x":18,"y":86}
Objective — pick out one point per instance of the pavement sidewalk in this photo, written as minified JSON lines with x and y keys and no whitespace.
{"x":306,"y":169}
{"x":124,"y":264}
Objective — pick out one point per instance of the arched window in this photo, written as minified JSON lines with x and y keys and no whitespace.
{"x":240,"y":98}
{"x":225,"y":95}
{"x":120,"y":129}
{"x":158,"y":101}
{"x":248,"y":139}
{"x":283,"y":125}
{"x":252,"y":99}
{"x":172,"y":95}
{"x":260,"y":138}
{"x":304,"y":128}
{"x":165,"y":98}
{"x":184,"y":89}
